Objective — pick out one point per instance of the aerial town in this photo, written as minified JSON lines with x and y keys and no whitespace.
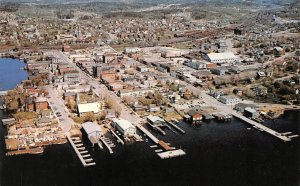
{"x":114,"y":78}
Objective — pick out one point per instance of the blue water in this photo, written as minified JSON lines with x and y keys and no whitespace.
{"x":11,"y":73}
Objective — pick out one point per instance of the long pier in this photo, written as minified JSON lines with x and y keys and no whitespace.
{"x":151,"y":136}
{"x":261,"y":127}
{"x":81,"y":152}
{"x":176,"y":127}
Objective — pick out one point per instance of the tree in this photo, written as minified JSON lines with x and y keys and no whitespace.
{"x":129,"y":100}
{"x":72,"y":105}
{"x":111,"y":103}
{"x":157,"y":98}
{"x":145,"y":101}
{"x":89,"y":117}
{"x":12,"y":106}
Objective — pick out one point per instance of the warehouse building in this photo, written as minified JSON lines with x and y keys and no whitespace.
{"x":124,"y":126}
{"x":225,"y":57}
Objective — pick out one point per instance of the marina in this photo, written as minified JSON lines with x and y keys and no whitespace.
{"x":80,"y":151}
{"x":261,"y":127}
{"x":175,"y":126}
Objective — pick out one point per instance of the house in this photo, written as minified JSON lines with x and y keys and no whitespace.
{"x":195,"y":64}
{"x":238,"y":91}
{"x":154,"y":119}
{"x":153,"y":108}
{"x":40,"y":104}
{"x":194,"y":116}
{"x":220,"y":71}
{"x":124,"y":126}
{"x":240,"y":107}
{"x":29,"y":104}
{"x":229,"y":99}
{"x":135,"y":93}
{"x":278,"y":51}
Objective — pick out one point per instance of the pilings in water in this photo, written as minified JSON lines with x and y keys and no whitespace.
{"x":119,"y":139}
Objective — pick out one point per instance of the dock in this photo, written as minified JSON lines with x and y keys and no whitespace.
{"x":107,"y":144}
{"x":151,"y":136}
{"x":176,"y":127}
{"x":8,"y":121}
{"x":157,"y":127}
{"x":119,"y":139}
{"x":82,"y":154}
{"x":171,"y":154}
{"x":261,"y":127}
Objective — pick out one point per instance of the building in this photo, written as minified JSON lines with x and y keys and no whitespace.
{"x":83,"y":108}
{"x":220,"y":71}
{"x":229,"y":100}
{"x":71,"y":77}
{"x":92,"y":130}
{"x":225,"y":57}
{"x":41,"y":104}
{"x":240,"y":107}
{"x":124,"y":126}
{"x":153,"y":108}
{"x":195,"y":64}
{"x":193,"y":116}
{"x":251,"y":112}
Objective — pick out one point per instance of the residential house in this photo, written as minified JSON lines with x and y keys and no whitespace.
{"x":229,"y":99}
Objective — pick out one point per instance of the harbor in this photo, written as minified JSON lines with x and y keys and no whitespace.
{"x":81,"y":151}
{"x":282,"y":136}
{"x":170,"y":152}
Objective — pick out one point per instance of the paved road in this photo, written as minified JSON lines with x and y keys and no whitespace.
{"x":57,"y":104}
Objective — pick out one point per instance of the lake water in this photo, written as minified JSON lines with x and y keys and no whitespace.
{"x":217,"y":154}
{"x":11,"y":73}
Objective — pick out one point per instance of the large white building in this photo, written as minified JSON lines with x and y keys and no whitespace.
{"x":124,"y":126}
{"x":225,"y":57}
{"x":84,"y":108}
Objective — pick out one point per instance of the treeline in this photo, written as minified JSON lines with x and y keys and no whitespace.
{"x":9,"y":7}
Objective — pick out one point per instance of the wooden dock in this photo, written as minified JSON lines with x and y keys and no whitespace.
{"x":108,"y":144}
{"x":261,"y":127}
{"x":82,"y":154}
{"x":171,"y":154}
{"x":151,"y":136}
{"x":176,"y":127}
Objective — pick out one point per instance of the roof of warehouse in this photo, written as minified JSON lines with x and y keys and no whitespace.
{"x":220,"y":56}
{"x":91,"y":127}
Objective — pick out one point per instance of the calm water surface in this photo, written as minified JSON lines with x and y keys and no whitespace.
{"x":11,"y":73}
